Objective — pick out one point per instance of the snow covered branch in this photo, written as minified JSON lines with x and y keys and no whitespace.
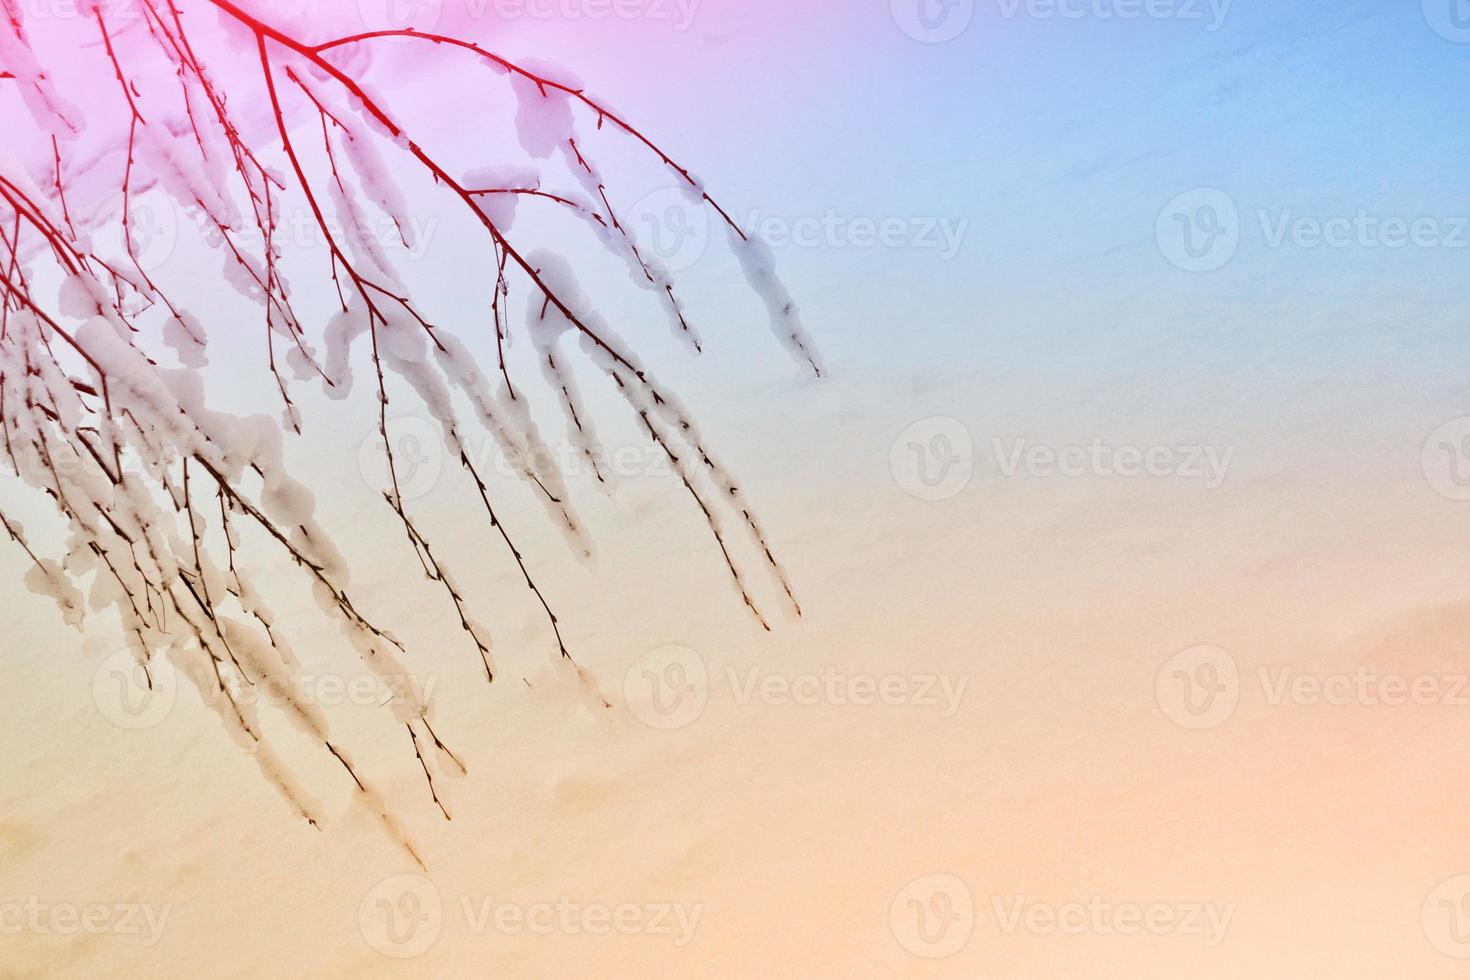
{"x":157,"y":489}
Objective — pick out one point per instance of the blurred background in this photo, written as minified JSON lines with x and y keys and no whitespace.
{"x":1129,"y":525}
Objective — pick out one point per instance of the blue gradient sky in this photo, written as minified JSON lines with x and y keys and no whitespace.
{"x":1056,"y":144}
{"x":1060,"y":141}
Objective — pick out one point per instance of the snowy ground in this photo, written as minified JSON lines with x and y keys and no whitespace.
{"x":1029,"y":752}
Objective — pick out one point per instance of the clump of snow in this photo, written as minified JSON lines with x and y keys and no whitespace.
{"x":759,"y":265}
{"x":185,"y":336}
{"x":543,"y":117}
{"x":500,"y":209}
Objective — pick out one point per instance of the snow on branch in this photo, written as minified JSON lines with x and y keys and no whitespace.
{"x":231,"y":118}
